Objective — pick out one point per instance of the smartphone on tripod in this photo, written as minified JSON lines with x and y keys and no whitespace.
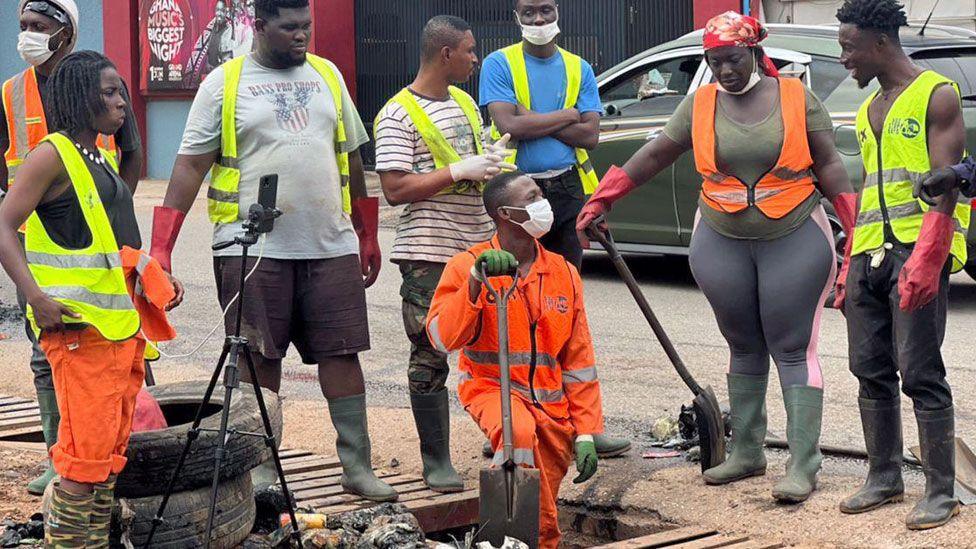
{"x":268,"y":199}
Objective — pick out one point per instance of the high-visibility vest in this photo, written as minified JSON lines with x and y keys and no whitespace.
{"x":787,"y":185}
{"x":223,"y":196}
{"x":442,"y":151}
{"x":574,"y":79}
{"x":893,"y":165}
{"x":27,"y":123}
{"x":90,"y":281}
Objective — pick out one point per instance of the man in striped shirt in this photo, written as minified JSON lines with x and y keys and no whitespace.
{"x":430,"y":156}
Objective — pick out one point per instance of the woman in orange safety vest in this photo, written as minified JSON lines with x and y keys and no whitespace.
{"x":762,"y":250}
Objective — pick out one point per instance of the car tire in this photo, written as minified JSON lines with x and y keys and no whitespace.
{"x":185,"y":519}
{"x":153,"y":455}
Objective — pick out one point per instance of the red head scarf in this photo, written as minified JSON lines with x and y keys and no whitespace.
{"x":735,"y":29}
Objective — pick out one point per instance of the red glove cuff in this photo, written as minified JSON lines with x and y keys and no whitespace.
{"x":366,"y":216}
{"x":845,"y":206}
{"x":614,"y":186}
{"x":167,"y":223}
{"x":935,"y":237}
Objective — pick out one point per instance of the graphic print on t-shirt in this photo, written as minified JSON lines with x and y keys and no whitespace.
{"x":290,"y":100}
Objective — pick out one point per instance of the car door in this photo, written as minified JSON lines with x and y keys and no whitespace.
{"x":638,"y":101}
{"x":687,"y":181}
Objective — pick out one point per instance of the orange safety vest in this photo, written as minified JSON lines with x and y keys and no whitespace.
{"x":784,"y":187}
{"x":27,"y":123}
{"x":547,"y":325}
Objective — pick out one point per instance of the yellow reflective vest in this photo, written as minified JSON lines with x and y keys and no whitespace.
{"x":442,"y":151}
{"x":892,"y":165}
{"x":90,"y":281}
{"x":223,"y":196}
{"x":574,"y":78}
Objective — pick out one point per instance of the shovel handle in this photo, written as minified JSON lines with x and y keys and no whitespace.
{"x":504,"y":373}
{"x":606,"y":240}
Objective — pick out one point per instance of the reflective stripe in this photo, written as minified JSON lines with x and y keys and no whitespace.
{"x":587,"y":166}
{"x":542,"y":395}
{"x":520,"y":456}
{"x":223,"y":196}
{"x":435,"y":335}
{"x":897,"y":175}
{"x":894,"y":212}
{"x":115,"y":302}
{"x":490,"y":358}
{"x":19,"y":102}
{"x":143,"y":263}
{"x":92,"y":261}
{"x":763,"y":194}
{"x":229,"y":162}
{"x":786,"y":174}
{"x":583,"y":375}
{"x":737,"y":196}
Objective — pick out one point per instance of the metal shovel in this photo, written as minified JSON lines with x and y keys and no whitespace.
{"x":509,"y":495}
{"x":708,"y":414}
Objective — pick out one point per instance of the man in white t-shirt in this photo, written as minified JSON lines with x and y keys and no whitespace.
{"x":430,"y":156}
{"x":294,"y":118}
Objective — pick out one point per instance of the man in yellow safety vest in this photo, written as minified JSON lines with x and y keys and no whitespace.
{"x":547,"y":99}
{"x":49,"y":32}
{"x":899,"y":259}
{"x":430,"y":156}
{"x":281,"y":110}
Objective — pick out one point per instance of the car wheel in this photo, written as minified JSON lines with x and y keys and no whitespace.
{"x":153,"y":455}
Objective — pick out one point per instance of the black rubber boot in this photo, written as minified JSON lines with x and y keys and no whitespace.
{"x":432,"y":415}
{"x":881,"y":423}
{"x":936,"y":434}
{"x":747,"y":399}
{"x":352,"y":445}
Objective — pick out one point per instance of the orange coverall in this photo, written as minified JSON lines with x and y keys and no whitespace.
{"x":548,"y":307}
{"x":97,"y":380}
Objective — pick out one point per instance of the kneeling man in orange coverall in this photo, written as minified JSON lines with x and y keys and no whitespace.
{"x":558,"y":407}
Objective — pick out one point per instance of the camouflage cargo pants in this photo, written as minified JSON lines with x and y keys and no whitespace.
{"x":428,"y":369}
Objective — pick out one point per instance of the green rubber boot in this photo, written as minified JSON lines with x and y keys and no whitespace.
{"x":936,"y":433}
{"x":101,"y":514}
{"x":352,"y":445}
{"x":50,"y":419}
{"x":747,"y":399}
{"x":432,"y":414}
{"x":608,"y":447}
{"x":804,"y":412}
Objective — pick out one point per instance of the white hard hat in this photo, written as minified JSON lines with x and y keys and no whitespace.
{"x":70,"y":8}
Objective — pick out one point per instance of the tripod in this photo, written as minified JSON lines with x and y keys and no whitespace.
{"x":235,"y":346}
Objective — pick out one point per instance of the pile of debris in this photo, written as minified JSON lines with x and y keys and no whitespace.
{"x":386,"y":526}
{"x":17,"y":534}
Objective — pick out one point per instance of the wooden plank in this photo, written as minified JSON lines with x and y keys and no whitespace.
{"x":308,"y":464}
{"x":316,"y":493}
{"x":19,"y":422}
{"x":446,"y":511}
{"x":20,"y":431}
{"x":6,"y":400}
{"x":755,"y":544}
{"x":662,"y":539}
{"x":19,"y":406}
{"x":711,"y":542}
{"x":16,"y":414}
{"x":330,"y":480}
{"x":286,"y":453}
{"x":342,"y":502}
{"x":38,"y":447}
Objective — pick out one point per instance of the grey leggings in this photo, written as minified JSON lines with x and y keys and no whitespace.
{"x":768,"y":296}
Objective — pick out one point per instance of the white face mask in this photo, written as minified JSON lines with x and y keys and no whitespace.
{"x":540,"y":218}
{"x":539,"y":35}
{"x":34,"y":47}
{"x":754,"y":80}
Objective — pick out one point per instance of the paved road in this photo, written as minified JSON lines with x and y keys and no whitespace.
{"x":638,"y":382}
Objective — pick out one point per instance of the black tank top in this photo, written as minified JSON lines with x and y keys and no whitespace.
{"x":65,"y":223}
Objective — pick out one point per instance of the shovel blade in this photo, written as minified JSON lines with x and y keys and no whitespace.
{"x":711,"y":428}
{"x":499,"y":518}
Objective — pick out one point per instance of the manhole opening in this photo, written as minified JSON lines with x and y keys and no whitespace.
{"x":181,"y":413}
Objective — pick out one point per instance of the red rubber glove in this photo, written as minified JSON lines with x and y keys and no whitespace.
{"x":614,"y":186}
{"x":918,"y":281}
{"x":166,"y":227}
{"x":845,"y":206}
{"x":366,"y":221}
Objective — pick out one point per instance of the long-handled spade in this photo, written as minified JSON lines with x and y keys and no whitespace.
{"x":708,"y":414}
{"x":509,"y":495}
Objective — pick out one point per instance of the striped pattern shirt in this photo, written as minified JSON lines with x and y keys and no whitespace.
{"x":444,"y":225}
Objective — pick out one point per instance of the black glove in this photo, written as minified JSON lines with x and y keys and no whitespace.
{"x":937,"y":183}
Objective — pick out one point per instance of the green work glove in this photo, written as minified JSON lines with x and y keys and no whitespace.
{"x":496,"y":262}
{"x":586,"y":459}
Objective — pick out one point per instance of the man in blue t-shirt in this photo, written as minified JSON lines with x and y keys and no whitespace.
{"x":547,"y":133}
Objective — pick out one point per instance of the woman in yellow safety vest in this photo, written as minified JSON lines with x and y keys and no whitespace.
{"x":79,"y":214}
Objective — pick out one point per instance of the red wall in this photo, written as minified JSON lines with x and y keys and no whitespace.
{"x":706,"y":9}
{"x":334,"y":36}
{"x":121,"y":37}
